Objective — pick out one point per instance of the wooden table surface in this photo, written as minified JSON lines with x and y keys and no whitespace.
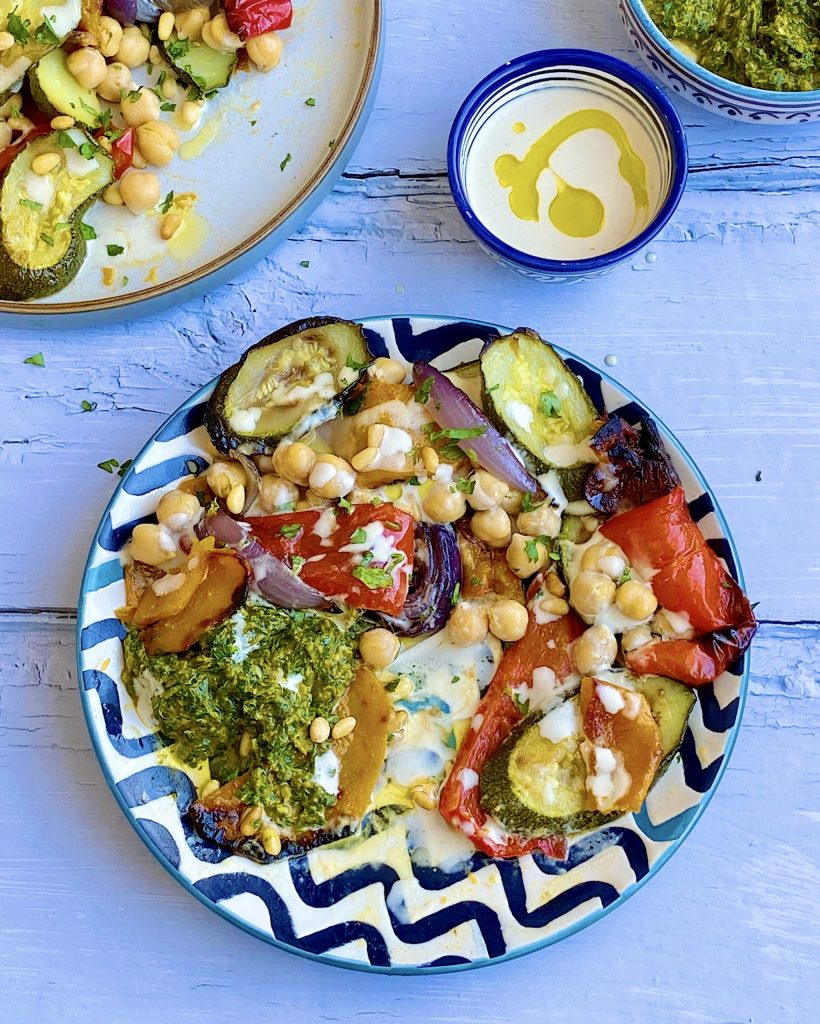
{"x":720,"y":334}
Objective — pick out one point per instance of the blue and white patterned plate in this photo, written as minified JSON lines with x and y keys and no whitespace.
{"x":391,"y":913}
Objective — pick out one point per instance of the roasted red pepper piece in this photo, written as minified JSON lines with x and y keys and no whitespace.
{"x":687,"y":577}
{"x":122,"y":152}
{"x":251,"y":18}
{"x":544,"y":644}
{"x":318,"y":535}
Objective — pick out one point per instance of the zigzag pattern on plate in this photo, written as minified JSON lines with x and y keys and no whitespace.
{"x":430,"y":916}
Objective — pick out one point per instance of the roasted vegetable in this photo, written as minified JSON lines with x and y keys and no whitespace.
{"x":361,"y":752}
{"x":170,"y":594}
{"x":197,"y":64}
{"x":536,"y":400}
{"x":36,"y":29}
{"x":633,"y":467}
{"x":484,"y":569}
{"x":43,"y":244}
{"x":223,"y":590}
{"x":289,"y":382}
{"x":56,"y":91}
{"x":251,"y":18}
{"x":436,"y":574}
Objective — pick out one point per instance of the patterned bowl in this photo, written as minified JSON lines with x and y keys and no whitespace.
{"x":603,"y":78}
{"x":387,"y":909}
{"x":706,"y":89}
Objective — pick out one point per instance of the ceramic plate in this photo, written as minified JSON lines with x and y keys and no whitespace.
{"x":438,"y":910}
{"x":261,"y":174}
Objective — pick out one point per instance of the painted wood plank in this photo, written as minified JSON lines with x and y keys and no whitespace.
{"x":93,"y":929}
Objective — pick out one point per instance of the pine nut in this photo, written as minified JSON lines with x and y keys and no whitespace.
{"x":45,"y":163}
{"x":425,"y":795}
{"x":169,"y":226}
{"x":343,"y":727}
{"x":62,"y":122}
{"x":364,"y":458}
{"x":555,"y":585}
{"x":271,"y":841}
{"x":403,"y":689}
{"x":319,"y":730}
{"x":430,"y":460}
{"x":210,"y":787}
{"x":398,"y":721}
{"x":6,"y":41}
{"x":553,"y":605}
{"x":105,"y":143}
{"x":251,"y":820}
{"x":245,"y":744}
{"x":190,"y":113}
{"x":113,"y":196}
{"x":165,"y":25}
{"x":169,"y":88}
{"x":236,"y":499}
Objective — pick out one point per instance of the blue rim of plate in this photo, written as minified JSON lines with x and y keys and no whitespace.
{"x":732,"y":90}
{"x":402,"y":969}
{"x":596,"y":61}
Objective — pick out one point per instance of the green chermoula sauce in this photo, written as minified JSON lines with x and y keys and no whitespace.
{"x":243,"y":675}
{"x":768,"y":44}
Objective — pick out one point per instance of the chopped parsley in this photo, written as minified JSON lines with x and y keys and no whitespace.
{"x":474,"y":580}
{"x":87,"y":232}
{"x":626,"y":576}
{"x":291,"y":530}
{"x":296,"y":564}
{"x":65,"y":141}
{"x":528,"y":505}
{"x":345,"y":504}
{"x":18,"y":28}
{"x":456,"y":594}
{"x":457,"y":433}
{"x":549,"y":404}
{"x":30,"y":204}
{"x":124,"y":467}
{"x":310,"y":101}
{"x":454,"y":680}
{"x":167,"y":202}
{"x":414,"y":481}
{"x":285,"y":162}
{"x":88,"y":406}
{"x":46,"y":238}
{"x":759,"y":476}
{"x":114,"y":250}
{"x":109,"y":465}
{"x":358,"y":536}
{"x":351,"y":364}
{"x":465,"y":486}
{"x":531,"y":547}
{"x":45,"y":34}
{"x":176,"y":48}
{"x":89,"y":150}
{"x":304,"y":263}
{"x":375,"y":578}
{"x":422,"y":395}
{"x":38,"y":359}
{"x":170,"y":107}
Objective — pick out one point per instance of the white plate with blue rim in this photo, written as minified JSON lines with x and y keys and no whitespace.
{"x":260,"y":162}
{"x":395,"y":910}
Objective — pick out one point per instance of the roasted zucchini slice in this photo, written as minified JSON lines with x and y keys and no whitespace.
{"x":533,"y":397}
{"x":37,"y":28}
{"x":197,"y":64}
{"x":56,"y":91}
{"x":42,"y":245}
{"x":290,"y":382}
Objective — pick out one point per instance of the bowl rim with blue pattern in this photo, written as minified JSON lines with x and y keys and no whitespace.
{"x":748,"y":93}
{"x":518,"y":69}
{"x":428,"y":337}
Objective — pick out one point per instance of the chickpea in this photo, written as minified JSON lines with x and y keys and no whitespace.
{"x":87,"y":67}
{"x":488,"y":491}
{"x":636,"y":600}
{"x":222,"y":477}
{"x":189,"y":23}
{"x":6,"y":41}
{"x":139,"y":107}
{"x":378,"y":647}
{"x":134,"y":47}
{"x":152,"y":543}
{"x":218,"y":36}
{"x":275,"y":492}
{"x":492,"y":526}
{"x":294,"y":462}
{"x":636,"y":637}
{"x":591,"y":592}
{"x":444,"y":505}
{"x":178,"y":510}
{"x":117,"y":81}
{"x":468,"y":624}
{"x":139,"y":190}
{"x":508,"y":620}
{"x":594,"y":650}
{"x":526,"y":555}
{"x":604,"y":557}
{"x":109,"y":36}
{"x":266,"y":52}
{"x":543,"y":521}
{"x":390,"y":371}
{"x":157,"y":142}
{"x":511,"y":502}
{"x":331,"y":477}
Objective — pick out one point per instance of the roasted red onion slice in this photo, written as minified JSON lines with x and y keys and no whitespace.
{"x":271,"y":578}
{"x":454,"y":411}
{"x":436,"y":572}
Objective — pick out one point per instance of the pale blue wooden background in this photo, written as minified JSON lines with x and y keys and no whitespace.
{"x":720,"y":335}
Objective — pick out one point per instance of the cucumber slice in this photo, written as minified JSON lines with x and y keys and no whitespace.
{"x":41,"y":246}
{"x":197,"y":64}
{"x":56,"y":91}
{"x":533,"y":397}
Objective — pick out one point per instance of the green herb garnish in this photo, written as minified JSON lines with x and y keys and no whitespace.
{"x":109,"y":465}
{"x":465,"y":486}
{"x":351,"y":364}
{"x":626,"y":576}
{"x":38,"y":359}
{"x":167,"y":202}
{"x":285,"y":162}
{"x":114,"y":250}
{"x":456,"y":594}
{"x":296,"y":564}
{"x":18,"y":28}
{"x":30,"y":204}
{"x":358,"y":536}
{"x":549,"y":405}
{"x":458,"y":433}
{"x":304,"y":263}
{"x":46,"y":35}
{"x":310,"y":101}
{"x":422,"y":394}
{"x":291,"y":530}
{"x":124,"y":467}
{"x":88,"y":406}
{"x":88,"y":233}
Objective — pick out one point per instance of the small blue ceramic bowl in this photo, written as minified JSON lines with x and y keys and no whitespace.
{"x":608,"y":81}
{"x":706,"y":89}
